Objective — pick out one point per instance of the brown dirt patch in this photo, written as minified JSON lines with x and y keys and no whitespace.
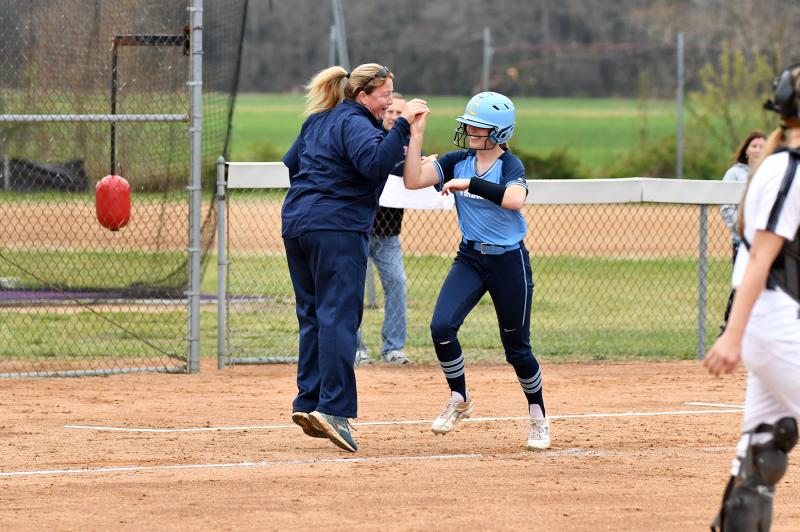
{"x":602,"y":473}
{"x":72,"y":225}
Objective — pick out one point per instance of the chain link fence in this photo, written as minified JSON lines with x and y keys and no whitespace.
{"x":615,"y":275}
{"x":91,"y":88}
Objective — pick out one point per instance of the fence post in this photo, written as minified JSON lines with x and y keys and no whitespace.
{"x":341,"y":34}
{"x":702,"y":283}
{"x":196,"y":132}
{"x":679,"y":107}
{"x":487,"y":59}
{"x":222,"y":263}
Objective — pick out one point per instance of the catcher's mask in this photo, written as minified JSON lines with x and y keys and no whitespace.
{"x":491,"y":111}
{"x":784,"y":99}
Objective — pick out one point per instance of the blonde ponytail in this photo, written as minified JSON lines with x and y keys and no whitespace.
{"x":325,"y":90}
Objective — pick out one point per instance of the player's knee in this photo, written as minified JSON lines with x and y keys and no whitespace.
{"x":442,"y":330}
{"x":785,"y":434}
{"x":517,"y":345}
{"x":769,"y":459}
{"x":518,"y":355}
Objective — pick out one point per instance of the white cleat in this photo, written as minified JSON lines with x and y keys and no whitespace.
{"x":539,"y":434}
{"x":454,"y":411}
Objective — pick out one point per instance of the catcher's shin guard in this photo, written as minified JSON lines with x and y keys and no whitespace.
{"x":747,"y":503}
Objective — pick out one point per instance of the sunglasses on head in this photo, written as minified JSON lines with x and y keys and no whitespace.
{"x":382,"y":73}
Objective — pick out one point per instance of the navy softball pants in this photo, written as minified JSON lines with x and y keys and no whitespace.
{"x":509,"y":281}
{"x":328,"y":270}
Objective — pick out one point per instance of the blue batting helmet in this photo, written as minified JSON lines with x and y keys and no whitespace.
{"x":487,"y":110}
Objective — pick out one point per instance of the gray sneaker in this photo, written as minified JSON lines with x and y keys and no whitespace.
{"x":395,"y":357}
{"x":336,"y":428}
{"x":362,"y":358}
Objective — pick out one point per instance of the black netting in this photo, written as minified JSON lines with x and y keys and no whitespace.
{"x":90,"y":57}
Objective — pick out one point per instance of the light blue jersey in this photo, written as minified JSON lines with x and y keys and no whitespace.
{"x":480,"y":219}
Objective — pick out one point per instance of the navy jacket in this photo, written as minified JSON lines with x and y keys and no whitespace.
{"x":337,"y":169}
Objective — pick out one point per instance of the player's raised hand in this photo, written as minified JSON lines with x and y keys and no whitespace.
{"x":415,"y":109}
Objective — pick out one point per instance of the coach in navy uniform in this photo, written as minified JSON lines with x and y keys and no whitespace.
{"x":338,"y":166}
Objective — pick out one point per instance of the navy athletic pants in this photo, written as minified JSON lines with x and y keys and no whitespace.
{"x":509,"y":281}
{"x":328,"y":269}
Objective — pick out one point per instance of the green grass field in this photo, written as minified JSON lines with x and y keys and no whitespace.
{"x":583,"y":309}
{"x":594,"y":308}
{"x":594,"y":131}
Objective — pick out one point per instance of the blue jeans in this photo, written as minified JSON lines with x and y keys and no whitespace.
{"x":388,"y":259}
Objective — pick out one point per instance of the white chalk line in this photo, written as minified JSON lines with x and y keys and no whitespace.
{"x":262,"y":463}
{"x":720,"y":405}
{"x":720,"y":409}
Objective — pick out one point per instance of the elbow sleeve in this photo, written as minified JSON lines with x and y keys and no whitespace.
{"x":487,"y":190}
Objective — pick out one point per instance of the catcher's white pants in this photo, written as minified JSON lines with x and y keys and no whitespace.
{"x":771,"y":353}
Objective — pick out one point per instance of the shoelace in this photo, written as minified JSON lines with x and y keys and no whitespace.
{"x":449,"y":408}
{"x":344,"y":424}
{"x":537,"y":429}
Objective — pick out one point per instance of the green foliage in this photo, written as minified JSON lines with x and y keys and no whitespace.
{"x":720,"y":116}
{"x":656,"y":158}
{"x":558,"y":164}
{"x":728,"y":106}
{"x":584,"y":306}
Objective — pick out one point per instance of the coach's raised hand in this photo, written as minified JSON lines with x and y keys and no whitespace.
{"x":413,"y":109}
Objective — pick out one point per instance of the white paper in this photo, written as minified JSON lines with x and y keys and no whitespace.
{"x":397,"y":196}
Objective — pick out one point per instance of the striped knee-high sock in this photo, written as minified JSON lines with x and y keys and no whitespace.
{"x":451,"y":359}
{"x":529,"y":375}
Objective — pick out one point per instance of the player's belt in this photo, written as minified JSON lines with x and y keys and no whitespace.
{"x":490,"y":249}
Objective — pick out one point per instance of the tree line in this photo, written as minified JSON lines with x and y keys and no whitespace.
{"x":561,"y":48}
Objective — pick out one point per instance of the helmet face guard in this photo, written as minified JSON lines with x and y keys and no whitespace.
{"x":461,"y":137}
{"x":488,"y":110}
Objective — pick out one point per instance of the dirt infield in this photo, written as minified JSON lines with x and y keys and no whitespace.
{"x":628,"y":453}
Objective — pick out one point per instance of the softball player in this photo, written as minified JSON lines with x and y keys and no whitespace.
{"x":490,"y":189}
{"x":764,"y":326}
